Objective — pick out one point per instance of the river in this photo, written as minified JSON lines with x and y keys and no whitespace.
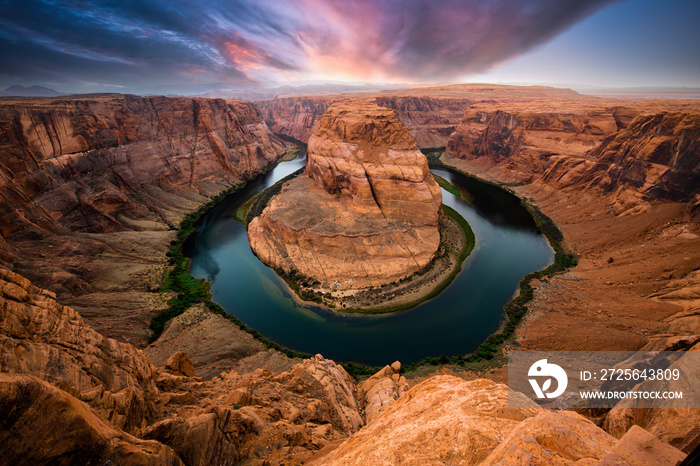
{"x":508,"y":247}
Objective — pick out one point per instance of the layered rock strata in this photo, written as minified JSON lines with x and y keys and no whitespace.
{"x":92,"y":187}
{"x":70,"y":164}
{"x":656,"y":157}
{"x":70,"y":395}
{"x":42,"y":338}
{"x":365,"y":213}
{"x":430,"y":119}
{"x":62,"y":402}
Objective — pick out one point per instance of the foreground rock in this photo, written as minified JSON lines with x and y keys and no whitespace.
{"x":381,"y":390}
{"x":57,"y":375}
{"x":42,"y":424}
{"x":240,"y":418}
{"x":448,"y":420}
{"x":366,"y":211}
{"x":671,"y":422}
{"x":42,"y":338}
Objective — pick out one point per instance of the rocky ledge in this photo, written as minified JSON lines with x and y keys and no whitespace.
{"x":364,"y":214}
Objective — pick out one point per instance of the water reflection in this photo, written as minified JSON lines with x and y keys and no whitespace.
{"x":454,"y":322}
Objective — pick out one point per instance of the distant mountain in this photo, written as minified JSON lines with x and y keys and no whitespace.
{"x":33,"y":91}
{"x":262,"y":93}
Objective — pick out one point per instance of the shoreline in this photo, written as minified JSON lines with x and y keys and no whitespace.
{"x":457,"y":241}
{"x":482,"y":356}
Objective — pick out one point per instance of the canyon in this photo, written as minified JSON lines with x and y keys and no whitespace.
{"x":93,"y":188}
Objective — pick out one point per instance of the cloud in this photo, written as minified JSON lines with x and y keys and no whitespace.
{"x":429,"y":40}
{"x":241,"y":42}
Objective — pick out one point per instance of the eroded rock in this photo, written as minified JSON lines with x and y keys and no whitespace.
{"x":443,"y":419}
{"x":40,"y":337}
{"x":41,"y":424}
{"x":381,"y":390}
{"x":366,"y":211}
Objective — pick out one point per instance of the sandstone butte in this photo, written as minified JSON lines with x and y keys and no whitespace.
{"x":365,"y":212}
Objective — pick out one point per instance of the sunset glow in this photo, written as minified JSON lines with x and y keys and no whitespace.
{"x":241,"y":43}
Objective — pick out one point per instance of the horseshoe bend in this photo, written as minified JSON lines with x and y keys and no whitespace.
{"x":99,"y":192}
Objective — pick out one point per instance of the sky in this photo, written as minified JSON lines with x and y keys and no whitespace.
{"x":123,"y":45}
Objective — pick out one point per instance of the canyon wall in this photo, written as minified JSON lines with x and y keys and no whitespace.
{"x":634,"y":154}
{"x":656,"y":157}
{"x":85,"y":164}
{"x":294,"y":116}
{"x":93,"y":187}
{"x":429,"y":120}
{"x":525,"y":139}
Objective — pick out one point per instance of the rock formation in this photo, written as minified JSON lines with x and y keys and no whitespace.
{"x":296,"y":117}
{"x":92,"y":186}
{"x":62,"y":402}
{"x":525,"y":139}
{"x":366,"y":211}
{"x":70,"y":395}
{"x":42,"y":424}
{"x":631,"y":151}
{"x":656,"y":157}
{"x":79,"y":159}
{"x":627,"y":204}
{"x":446,"y":420}
{"x":430,"y":119}
{"x":381,"y":390}
{"x":44,"y":339}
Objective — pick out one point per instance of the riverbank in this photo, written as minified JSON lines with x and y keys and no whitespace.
{"x":250,"y":306}
{"x":456,"y":242}
{"x":186,"y":291}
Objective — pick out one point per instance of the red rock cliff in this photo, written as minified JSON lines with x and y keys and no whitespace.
{"x":84,"y":164}
{"x":429,"y":120}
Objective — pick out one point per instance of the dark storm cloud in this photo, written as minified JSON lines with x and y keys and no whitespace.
{"x":433,"y":40}
{"x":133,"y":43}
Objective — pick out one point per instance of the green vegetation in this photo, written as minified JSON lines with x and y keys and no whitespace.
{"x":264,"y":198}
{"x":446,"y":185}
{"x":469,"y":238}
{"x":360,"y":371}
{"x":189,"y":290}
{"x":489,"y":353}
{"x":242,"y":211}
